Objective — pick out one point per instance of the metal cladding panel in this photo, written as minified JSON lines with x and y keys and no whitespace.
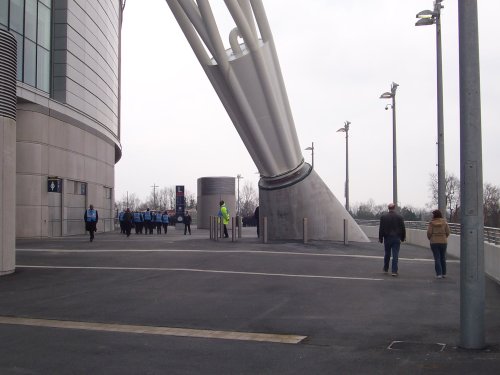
{"x":8,"y":69}
{"x":216,"y":186}
{"x":87,"y":57}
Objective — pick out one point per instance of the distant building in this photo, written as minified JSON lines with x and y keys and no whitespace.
{"x":68,"y":111}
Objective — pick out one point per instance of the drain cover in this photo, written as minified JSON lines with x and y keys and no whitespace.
{"x":409,"y":346}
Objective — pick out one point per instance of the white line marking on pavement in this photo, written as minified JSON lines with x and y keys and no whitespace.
{"x":260,"y":252}
{"x":166,"y":331}
{"x":200,"y":270}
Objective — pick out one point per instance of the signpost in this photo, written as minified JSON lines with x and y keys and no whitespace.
{"x":180,"y":203}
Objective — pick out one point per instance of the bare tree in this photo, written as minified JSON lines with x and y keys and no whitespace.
{"x":190,"y":199}
{"x":452,"y":193}
{"x":132,"y":202}
{"x":249,"y":199}
{"x":491,"y":202}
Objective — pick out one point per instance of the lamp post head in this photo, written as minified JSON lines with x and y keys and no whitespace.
{"x":425,"y":14}
{"x":425,"y":22}
{"x":386,"y":95}
{"x":345,"y":129}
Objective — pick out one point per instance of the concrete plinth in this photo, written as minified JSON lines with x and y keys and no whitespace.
{"x":286,"y":208}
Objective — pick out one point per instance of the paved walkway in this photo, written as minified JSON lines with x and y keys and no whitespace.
{"x":175,"y":304}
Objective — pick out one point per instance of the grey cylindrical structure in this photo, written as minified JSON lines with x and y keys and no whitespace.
{"x":8,"y":110}
{"x":211,"y":190}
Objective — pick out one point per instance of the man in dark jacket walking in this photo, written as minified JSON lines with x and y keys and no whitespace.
{"x":187,"y":223}
{"x":392,"y":232}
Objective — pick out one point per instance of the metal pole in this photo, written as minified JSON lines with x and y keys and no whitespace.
{"x":264,"y":237}
{"x":312,"y":155}
{"x":346,"y":232}
{"x":238,"y":177}
{"x":304,"y":229}
{"x":440,"y":119}
{"x":233,"y":232}
{"x":472,"y":292}
{"x":347,"y":169}
{"x":394,"y":156}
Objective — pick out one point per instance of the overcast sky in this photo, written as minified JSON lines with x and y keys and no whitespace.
{"x":337,"y":58}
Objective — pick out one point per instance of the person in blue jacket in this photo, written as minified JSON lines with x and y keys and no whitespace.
{"x":164,"y":220}
{"x":148,"y":221}
{"x":91,"y":218}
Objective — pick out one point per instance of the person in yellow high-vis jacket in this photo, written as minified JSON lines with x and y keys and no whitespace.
{"x":224,"y":214}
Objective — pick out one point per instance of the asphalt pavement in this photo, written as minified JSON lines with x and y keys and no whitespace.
{"x":176,"y":304}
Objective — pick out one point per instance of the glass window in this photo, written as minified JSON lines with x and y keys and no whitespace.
{"x":107,"y":193}
{"x":4,"y":12}
{"x":19,"y":40}
{"x":30,"y":20}
{"x":43,"y":69}
{"x":17,"y":15}
{"x":29,"y":62}
{"x":44,"y":26}
{"x":46,"y":2}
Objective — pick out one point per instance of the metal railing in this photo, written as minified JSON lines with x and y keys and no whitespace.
{"x":491,"y":235}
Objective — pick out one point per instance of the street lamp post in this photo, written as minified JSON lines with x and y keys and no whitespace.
{"x":312,"y":153}
{"x":428,"y":17}
{"x":154,"y":195}
{"x":345,"y":130}
{"x":239,"y":177}
{"x":392,"y":95}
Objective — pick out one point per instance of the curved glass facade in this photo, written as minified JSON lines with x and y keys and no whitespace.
{"x":30,"y":23}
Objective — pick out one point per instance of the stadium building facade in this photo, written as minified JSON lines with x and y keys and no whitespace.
{"x":67,"y":115}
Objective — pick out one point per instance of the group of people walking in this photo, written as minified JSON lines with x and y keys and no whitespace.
{"x":392,"y":232}
{"x":144,"y":222}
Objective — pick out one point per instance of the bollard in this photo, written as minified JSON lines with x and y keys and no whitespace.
{"x":217,"y":227}
{"x":346,"y":232}
{"x":304,"y":226}
{"x":232,"y":228}
{"x":264,"y":237}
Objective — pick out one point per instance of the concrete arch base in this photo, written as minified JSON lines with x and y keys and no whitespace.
{"x":286,"y":207}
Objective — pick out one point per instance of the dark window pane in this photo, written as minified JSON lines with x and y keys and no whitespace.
{"x":30,"y":20}
{"x":4,"y":12}
{"x":29,"y":62}
{"x":44,"y":26}
{"x":43,"y":69}
{"x":17,"y":15}
{"x":19,"y":40}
